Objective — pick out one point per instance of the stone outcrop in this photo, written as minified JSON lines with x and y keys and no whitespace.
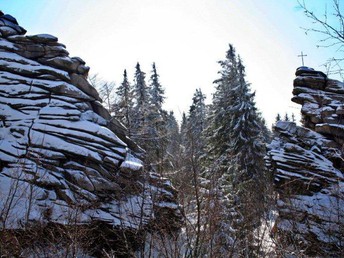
{"x":308,"y":166}
{"x":61,"y":153}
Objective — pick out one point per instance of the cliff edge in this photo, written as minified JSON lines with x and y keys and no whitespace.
{"x":308,"y":165}
{"x":63,"y":159}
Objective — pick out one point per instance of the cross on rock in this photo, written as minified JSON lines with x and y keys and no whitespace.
{"x":302,"y":55}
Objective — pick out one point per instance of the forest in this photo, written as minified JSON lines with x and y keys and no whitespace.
{"x":215,"y":158}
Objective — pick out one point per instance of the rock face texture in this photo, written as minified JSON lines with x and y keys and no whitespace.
{"x":61,"y":153}
{"x":308,"y":167}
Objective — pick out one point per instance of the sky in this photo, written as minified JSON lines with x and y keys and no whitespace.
{"x":186,"y":39}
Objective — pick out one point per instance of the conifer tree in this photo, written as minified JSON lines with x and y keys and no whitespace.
{"x":183,"y":130}
{"x":140,"y":107}
{"x":140,"y":87}
{"x":236,"y":148}
{"x":192,"y":134}
{"x":195,"y":125}
{"x":293,"y":117}
{"x":245,"y":142}
{"x":156,"y":120}
{"x":124,"y":106}
{"x":156,"y":90}
{"x":192,"y":139}
{"x":149,"y":118}
{"x":218,"y":131}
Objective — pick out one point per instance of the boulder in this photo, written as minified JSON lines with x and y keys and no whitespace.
{"x":9,"y":26}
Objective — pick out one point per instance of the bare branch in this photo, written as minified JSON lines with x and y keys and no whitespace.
{"x":332,"y":29}
{"x":333,"y":33}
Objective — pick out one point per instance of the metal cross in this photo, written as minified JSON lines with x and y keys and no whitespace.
{"x":302,"y":55}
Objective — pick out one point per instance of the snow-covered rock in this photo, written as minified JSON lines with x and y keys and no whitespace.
{"x":61,"y":152}
{"x":308,"y":166}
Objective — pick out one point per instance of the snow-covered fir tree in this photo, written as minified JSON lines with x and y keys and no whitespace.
{"x":124,"y":105}
{"x":192,"y":139}
{"x":192,"y":128}
{"x":194,"y":143}
{"x":141,"y":108}
{"x":218,"y":166}
{"x":245,"y":138}
{"x":149,"y":119}
{"x":248,"y":151}
{"x":155,"y":127}
{"x":236,"y":147}
{"x":218,"y":130}
{"x":196,"y":122}
{"x":183,"y":130}
{"x":156,"y":90}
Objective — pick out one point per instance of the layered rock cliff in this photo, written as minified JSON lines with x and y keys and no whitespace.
{"x":61,"y":153}
{"x":308,"y":167}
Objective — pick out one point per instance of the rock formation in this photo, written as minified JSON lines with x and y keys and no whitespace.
{"x":308,"y":167}
{"x":61,"y":153}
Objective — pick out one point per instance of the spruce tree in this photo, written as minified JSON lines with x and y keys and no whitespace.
{"x":245,"y":143}
{"x":155,"y":128}
{"x":219,"y":168}
{"x":197,"y":112}
{"x":183,"y":129}
{"x":124,"y":106}
{"x":196,"y":125}
{"x":293,"y":117}
{"x":141,"y":106}
{"x":192,"y":131}
{"x":218,"y":130}
{"x":156,"y":90}
{"x":236,"y":149}
{"x":149,"y":118}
